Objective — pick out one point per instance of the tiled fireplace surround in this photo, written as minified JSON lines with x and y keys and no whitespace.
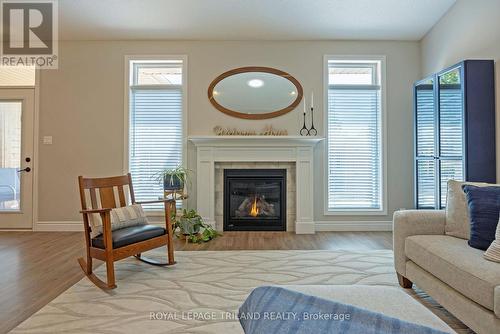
{"x":295,"y":154}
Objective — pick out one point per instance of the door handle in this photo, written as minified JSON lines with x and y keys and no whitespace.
{"x":27,"y":170}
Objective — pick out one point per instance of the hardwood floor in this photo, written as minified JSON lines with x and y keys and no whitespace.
{"x":35,"y":268}
{"x":287,"y":240}
{"x":38,"y":266}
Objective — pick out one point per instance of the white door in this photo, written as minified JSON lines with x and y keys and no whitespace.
{"x":16,"y":158}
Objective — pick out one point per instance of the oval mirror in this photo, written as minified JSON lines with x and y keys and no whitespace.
{"x":255,"y":92}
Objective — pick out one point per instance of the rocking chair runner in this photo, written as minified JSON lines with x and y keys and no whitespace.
{"x":116,"y":245}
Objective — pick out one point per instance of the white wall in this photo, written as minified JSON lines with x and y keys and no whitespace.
{"x":470,"y":30}
{"x":82,"y":107}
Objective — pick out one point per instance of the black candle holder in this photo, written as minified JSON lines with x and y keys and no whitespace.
{"x":304,"y":131}
{"x":312,"y":131}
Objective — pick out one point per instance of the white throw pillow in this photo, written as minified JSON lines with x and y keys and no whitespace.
{"x":493,"y":252}
{"x":130,"y":215}
{"x":457,"y":212}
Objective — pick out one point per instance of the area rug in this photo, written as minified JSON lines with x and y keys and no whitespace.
{"x":202,"y":292}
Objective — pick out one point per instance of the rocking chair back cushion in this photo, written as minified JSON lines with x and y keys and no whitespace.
{"x":127,"y":216}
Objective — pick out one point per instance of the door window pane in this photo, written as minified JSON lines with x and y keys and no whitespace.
{"x":426,"y":183}
{"x":10,"y":155}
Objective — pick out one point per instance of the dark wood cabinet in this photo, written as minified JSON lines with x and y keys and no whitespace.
{"x":454,"y":130}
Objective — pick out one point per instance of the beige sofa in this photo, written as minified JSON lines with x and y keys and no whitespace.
{"x":454,"y":274}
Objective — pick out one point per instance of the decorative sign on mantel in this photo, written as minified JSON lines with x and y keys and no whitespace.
{"x":269,"y":130}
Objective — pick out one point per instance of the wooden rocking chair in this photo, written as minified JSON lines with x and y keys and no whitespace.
{"x":116,"y":245}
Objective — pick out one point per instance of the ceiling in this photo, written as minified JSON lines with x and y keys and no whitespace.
{"x":249,"y":19}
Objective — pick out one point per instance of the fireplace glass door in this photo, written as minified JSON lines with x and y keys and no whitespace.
{"x":254,"y":199}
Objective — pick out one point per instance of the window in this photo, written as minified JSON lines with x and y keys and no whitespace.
{"x":354,"y":136}
{"x":155,"y":133}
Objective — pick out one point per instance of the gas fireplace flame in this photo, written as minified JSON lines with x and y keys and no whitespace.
{"x":254,"y":211}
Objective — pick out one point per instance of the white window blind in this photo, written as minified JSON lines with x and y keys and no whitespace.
{"x":156,"y":125}
{"x":354,"y":136}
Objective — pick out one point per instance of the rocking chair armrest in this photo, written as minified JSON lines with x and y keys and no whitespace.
{"x":95,"y":211}
{"x":106,"y":225}
{"x":165,"y":200}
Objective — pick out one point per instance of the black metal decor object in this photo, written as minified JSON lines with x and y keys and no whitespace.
{"x":312,"y":131}
{"x":304,"y":131}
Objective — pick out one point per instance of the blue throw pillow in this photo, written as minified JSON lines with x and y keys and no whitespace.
{"x":484,"y":207}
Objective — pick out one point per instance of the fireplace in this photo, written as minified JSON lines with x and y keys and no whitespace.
{"x":254,"y":199}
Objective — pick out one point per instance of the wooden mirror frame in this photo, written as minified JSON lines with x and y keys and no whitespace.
{"x":271,"y":70}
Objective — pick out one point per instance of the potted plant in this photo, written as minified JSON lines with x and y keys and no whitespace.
{"x":174,"y":179}
{"x":190,"y":225}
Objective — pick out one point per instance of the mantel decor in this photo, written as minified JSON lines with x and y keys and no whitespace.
{"x":312,"y":130}
{"x":255,"y":92}
{"x":304,"y":131}
{"x":269,"y":130}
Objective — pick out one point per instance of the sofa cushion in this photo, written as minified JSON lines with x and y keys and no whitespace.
{"x":130,"y":235}
{"x":493,"y":252}
{"x":452,"y":261}
{"x":457,"y":215}
{"x":484,"y":206}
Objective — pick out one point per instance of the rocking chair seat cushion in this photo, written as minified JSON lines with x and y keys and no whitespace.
{"x":130,"y":235}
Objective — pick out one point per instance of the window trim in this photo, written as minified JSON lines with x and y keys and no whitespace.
{"x":383,"y":148}
{"x":126,"y":107}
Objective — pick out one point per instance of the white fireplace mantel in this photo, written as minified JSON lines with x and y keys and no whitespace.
{"x":297,"y":149}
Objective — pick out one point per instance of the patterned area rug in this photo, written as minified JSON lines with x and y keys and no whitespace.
{"x":202,"y":292}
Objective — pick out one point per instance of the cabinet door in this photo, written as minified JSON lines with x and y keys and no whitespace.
{"x":451,"y":130}
{"x":426,"y":147}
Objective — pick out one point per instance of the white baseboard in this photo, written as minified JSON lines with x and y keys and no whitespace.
{"x":304,"y":228}
{"x":355,"y":226}
{"x":301,"y":228}
{"x":16,"y":230}
{"x":58,"y":226}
